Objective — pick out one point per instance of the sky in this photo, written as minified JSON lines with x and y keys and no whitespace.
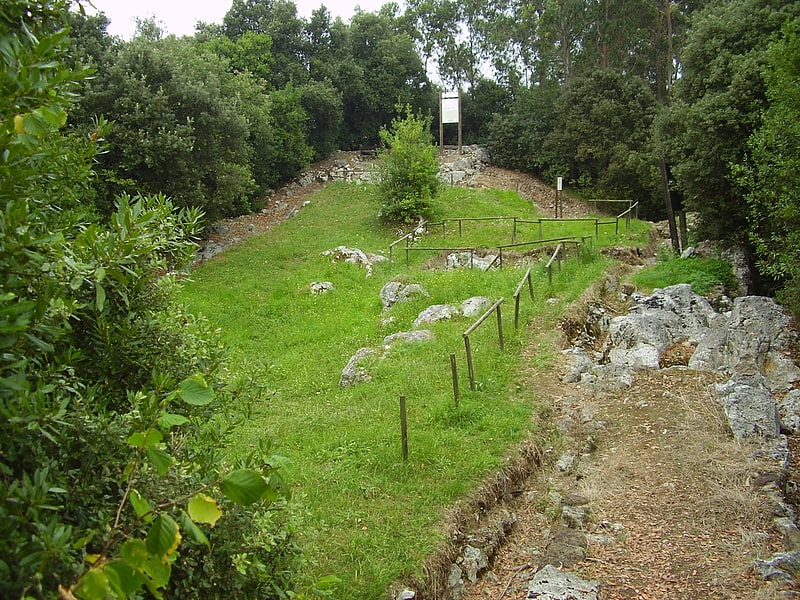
{"x":180,"y":16}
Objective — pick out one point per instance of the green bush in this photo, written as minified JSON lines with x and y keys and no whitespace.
{"x":115,"y":413}
{"x":408,"y":168}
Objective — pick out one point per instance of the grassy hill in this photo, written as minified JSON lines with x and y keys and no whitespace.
{"x":363,"y":514}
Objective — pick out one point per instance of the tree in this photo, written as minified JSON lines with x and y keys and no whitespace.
{"x":718,"y":104}
{"x":772,"y":177}
{"x":278,"y":20}
{"x":179,"y":126}
{"x":106,"y":462}
{"x":386,"y":70}
{"x":409,"y":169}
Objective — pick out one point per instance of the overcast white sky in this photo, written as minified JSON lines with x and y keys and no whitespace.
{"x":179,"y":16}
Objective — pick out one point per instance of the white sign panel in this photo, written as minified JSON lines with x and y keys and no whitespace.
{"x":559,"y":184}
{"x":450,"y":107}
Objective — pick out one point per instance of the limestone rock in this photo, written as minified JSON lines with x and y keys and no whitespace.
{"x":551,"y":583}
{"x":475,"y":306}
{"x":397,"y":291}
{"x":437,"y":312}
{"x":749,"y":406}
{"x":354,"y":256}
{"x":420,"y":335}
{"x":320,"y":287}
{"x":354,"y":371}
{"x":789,"y":411}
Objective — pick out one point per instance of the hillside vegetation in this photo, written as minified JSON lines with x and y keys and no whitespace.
{"x":363,"y":514}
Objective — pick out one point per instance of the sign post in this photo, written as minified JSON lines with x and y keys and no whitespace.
{"x":450,"y":112}
{"x":559,"y":187}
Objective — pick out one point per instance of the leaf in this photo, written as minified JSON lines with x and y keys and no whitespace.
{"x":192,"y":530}
{"x":93,"y":585}
{"x":169,"y":420}
{"x":136,"y":439}
{"x":196,"y":391}
{"x":124,"y":579}
{"x":134,"y":552}
{"x":160,"y":459}
{"x":141,"y":506}
{"x":243,"y":486}
{"x":163,"y":537}
{"x":145,"y":439}
{"x":204,"y":509}
{"x":100,"y":297}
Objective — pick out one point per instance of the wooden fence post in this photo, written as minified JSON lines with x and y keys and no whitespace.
{"x":454,"y":371}
{"x":470,"y":368}
{"x":403,"y":427}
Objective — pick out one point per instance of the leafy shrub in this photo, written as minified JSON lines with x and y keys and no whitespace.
{"x":408,"y":168}
{"x":115,"y":415}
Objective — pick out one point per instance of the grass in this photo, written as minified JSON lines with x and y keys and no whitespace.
{"x":703,"y":274}
{"x":364,"y":514}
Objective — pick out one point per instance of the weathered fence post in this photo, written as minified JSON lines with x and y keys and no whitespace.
{"x":470,"y":368}
{"x":500,"y":328}
{"x":454,"y":371}
{"x":403,"y":427}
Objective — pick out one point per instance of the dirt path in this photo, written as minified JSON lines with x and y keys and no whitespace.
{"x":671,"y":512}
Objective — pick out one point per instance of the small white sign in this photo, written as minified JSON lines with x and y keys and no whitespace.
{"x":450,"y":112}
{"x":560,"y":184}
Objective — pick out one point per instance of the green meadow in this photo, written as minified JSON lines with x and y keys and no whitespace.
{"x":362,"y":513}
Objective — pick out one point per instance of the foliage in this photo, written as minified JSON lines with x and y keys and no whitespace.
{"x":114,"y":413}
{"x":177,"y":126}
{"x":408,"y":169}
{"x":595,"y":134}
{"x":719,"y":104}
{"x":703,"y":274}
{"x":772,"y":179}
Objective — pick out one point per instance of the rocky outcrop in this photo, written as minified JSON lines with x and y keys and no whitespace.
{"x":397,"y":291}
{"x":551,"y":583}
{"x":748,"y":344}
{"x":354,"y":256}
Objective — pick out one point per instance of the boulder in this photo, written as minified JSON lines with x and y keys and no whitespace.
{"x":437,"y":312}
{"x":397,"y":291}
{"x":475,"y":306}
{"x":469,"y":260}
{"x":354,"y":371}
{"x":354,"y":256}
{"x":551,"y":583}
{"x":749,"y":406}
{"x":751,"y":340}
{"x":789,"y":411}
{"x":320,"y":287}
{"x":420,"y":335}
